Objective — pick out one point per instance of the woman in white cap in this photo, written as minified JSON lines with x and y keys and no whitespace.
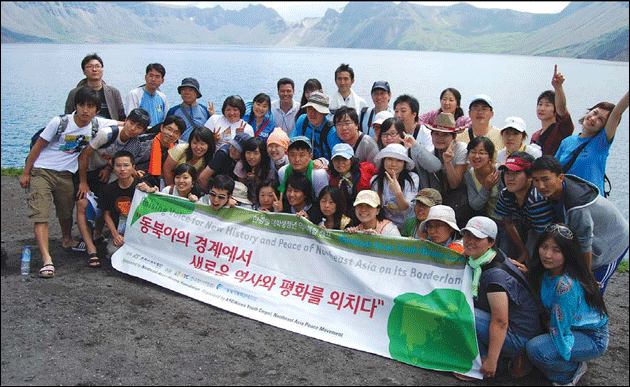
{"x":506,"y":314}
{"x":368,"y":210}
{"x":441,"y":228}
{"x":395,"y":182}
{"x":514,"y":137}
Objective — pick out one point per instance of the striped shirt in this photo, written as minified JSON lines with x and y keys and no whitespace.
{"x":536,"y":212}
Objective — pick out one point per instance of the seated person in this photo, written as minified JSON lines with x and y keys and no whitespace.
{"x":116,"y":199}
{"x":154,"y":149}
{"x":506,"y":314}
{"x":441,"y":228}
{"x":267,"y":194}
{"x":425,"y":199}
{"x":300,"y":154}
{"x":185,"y":184}
{"x":333,"y":207}
{"x":220,"y":193}
{"x":198,"y":151}
{"x":368,"y":211}
{"x":277,"y":145}
{"x":227,"y":125}
{"x":298,"y":199}
{"x":254,"y":166}
{"x":347,"y":123}
{"x":395,"y":182}
{"x":259,"y":116}
{"x":224,"y":160}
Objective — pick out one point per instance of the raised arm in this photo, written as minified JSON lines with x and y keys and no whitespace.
{"x":561,"y":100}
{"x":615,"y":117}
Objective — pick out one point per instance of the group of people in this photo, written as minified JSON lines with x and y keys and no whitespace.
{"x":532,"y":218}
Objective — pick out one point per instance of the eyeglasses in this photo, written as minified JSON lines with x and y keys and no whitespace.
{"x":96,"y":67}
{"x":564,"y":231}
{"x":346,"y":123}
{"x":391,"y":135}
{"x":215,"y":195}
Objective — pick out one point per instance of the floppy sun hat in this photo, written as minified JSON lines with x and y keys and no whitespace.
{"x":319,"y":102}
{"x":396,"y":151}
{"x":189,"y":82}
{"x":442,"y":213}
{"x":429,"y":196}
{"x":445,"y":122}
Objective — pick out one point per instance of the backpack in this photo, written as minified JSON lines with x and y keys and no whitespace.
{"x":63,"y":124}
{"x":362,"y":117}
{"x":323,"y":137}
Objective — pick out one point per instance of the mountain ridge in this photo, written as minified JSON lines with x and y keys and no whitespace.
{"x":590,"y":30}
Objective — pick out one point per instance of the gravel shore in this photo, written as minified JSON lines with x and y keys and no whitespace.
{"x":102,"y":327}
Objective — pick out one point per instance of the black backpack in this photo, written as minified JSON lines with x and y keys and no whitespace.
{"x":323,"y":136}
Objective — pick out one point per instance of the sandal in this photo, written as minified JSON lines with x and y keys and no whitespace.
{"x":93,"y":260}
{"x":81,"y":247}
{"x":47,"y":271}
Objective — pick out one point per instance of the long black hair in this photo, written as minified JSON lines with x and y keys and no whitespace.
{"x":265,"y":161}
{"x":336,"y":196}
{"x":192,"y":171}
{"x":458,"y":97}
{"x":575,"y":265}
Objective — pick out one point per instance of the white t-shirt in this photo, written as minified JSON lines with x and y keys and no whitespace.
{"x":62,"y":153}
{"x":219,"y":124}
{"x":284,"y":120}
{"x":353,"y":101}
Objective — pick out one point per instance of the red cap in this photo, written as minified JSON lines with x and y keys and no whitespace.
{"x":516,"y":164}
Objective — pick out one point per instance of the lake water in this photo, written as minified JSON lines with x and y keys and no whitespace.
{"x":36,"y":79}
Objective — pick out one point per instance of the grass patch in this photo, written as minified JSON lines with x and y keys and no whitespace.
{"x":12,"y":171}
{"x":623,"y":267}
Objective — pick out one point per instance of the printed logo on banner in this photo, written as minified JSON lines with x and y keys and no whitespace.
{"x":435,"y":331}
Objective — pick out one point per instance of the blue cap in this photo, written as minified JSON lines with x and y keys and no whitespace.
{"x":384,"y":85}
{"x":239,"y":140}
{"x":482,"y":98}
{"x":342,"y":150}
{"x":303,"y":139}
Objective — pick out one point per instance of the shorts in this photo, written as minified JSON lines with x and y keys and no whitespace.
{"x":48,"y":187}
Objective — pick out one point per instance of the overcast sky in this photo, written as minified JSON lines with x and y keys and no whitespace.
{"x":293,"y":11}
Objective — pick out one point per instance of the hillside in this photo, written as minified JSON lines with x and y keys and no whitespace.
{"x":594,"y":30}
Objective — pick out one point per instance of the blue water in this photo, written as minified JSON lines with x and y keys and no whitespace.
{"x":36,"y":79}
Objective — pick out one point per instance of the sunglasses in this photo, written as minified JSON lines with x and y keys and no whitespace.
{"x":564,"y":231}
{"x":215,"y":195}
{"x":136,"y":113}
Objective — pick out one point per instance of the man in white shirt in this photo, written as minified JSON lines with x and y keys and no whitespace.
{"x":381,"y":94}
{"x":345,"y":96}
{"x":285,"y":107}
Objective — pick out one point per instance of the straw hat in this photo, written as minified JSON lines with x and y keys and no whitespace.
{"x":445,"y":122}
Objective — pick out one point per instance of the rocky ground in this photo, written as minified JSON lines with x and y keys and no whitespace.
{"x":101,"y":327}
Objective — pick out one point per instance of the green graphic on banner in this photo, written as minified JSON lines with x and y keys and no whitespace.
{"x":162,"y":203}
{"x":435,"y":331}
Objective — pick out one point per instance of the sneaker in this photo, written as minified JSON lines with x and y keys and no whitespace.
{"x":576,"y":377}
{"x":463,"y":377}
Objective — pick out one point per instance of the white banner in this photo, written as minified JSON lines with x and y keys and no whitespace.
{"x":396,"y":297}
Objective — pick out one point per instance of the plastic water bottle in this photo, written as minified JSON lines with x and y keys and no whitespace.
{"x":26,"y":260}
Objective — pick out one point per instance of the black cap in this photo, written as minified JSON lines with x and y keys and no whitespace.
{"x":189,"y":82}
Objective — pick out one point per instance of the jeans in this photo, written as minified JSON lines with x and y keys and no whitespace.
{"x":513,"y":345}
{"x":588,"y":345}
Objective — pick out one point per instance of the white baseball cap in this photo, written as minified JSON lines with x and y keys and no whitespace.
{"x":382,"y":116}
{"x":481,"y":227}
{"x":515,"y":123}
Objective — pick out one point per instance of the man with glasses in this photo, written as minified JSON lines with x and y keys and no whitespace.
{"x":481,"y":112}
{"x":346,"y":121}
{"x":95,"y":171}
{"x":598,"y":225}
{"x":148,"y":96}
{"x":111,"y":101}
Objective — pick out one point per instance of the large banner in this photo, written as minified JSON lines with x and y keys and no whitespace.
{"x":396,"y":297}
